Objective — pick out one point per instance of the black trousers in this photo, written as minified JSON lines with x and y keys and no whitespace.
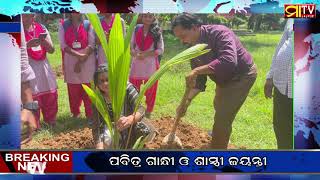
{"x":283,"y":120}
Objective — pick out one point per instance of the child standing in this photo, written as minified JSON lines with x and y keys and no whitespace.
{"x":146,"y":46}
{"x":77,"y":42}
{"x":100,"y":132}
{"x":44,"y":86}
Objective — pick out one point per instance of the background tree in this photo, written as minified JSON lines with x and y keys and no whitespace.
{"x":216,"y":19}
{"x":236,"y":21}
{"x":265,"y":22}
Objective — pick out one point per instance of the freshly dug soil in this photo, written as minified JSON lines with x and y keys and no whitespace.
{"x":191,"y":137}
{"x":76,"y":139}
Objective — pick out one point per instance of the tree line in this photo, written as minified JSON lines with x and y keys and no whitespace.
{"x":253,"y":22}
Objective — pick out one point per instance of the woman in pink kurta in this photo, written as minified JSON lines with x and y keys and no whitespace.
{"x":44,"y":86}
{"x":106,"y":23}
{"x":77,"y":43}
{"x":146,"y":46}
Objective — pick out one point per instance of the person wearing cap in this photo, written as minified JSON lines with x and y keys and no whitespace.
{"x":228,"y":64}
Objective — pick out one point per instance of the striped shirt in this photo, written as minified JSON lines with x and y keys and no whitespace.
{"x":129,"y":102}
{"x":281,"y":67}
{"x":27,"y":73}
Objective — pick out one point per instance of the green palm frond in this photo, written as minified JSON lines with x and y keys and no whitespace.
{"x":184,"y":56}
{"x":117,"y":50}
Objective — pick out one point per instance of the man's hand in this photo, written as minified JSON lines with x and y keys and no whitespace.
{"x":268,"y":87}
{"x":28,"y":119}
{"x":125,"y":122}
{"x":192,"y":76}
{"x":191,"y":80}
{"x":33,"y":43}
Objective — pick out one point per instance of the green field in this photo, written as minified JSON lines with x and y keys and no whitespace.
{"x":253,"y":125}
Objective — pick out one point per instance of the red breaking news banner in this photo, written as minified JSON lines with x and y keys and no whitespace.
{"x":3,"y":166}
{"x":35,"y":162}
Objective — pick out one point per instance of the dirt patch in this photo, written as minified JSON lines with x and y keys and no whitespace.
{"x":76,"y":139}
{"x":191,"y":137}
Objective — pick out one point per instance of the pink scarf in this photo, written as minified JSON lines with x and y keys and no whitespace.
{"x":142,"y":42}
{"x":79,"y":34}
{"x":38,"y":55}
{"x":107,"y":27}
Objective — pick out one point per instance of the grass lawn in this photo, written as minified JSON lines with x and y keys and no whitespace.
{"x":253,"y":125}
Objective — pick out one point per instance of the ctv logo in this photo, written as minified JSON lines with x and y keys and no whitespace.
{"x":299,"y":10}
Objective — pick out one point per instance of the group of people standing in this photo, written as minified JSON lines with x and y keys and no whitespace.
{"x":82,"y":54}
{"x":228,"y":64}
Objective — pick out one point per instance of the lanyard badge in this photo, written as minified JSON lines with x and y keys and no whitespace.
{"x":76,"y":44}
{"x":37,"y":48}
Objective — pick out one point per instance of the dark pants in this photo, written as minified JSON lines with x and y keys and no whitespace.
{"x":227,"y":102}
{"x":283,"y":120}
